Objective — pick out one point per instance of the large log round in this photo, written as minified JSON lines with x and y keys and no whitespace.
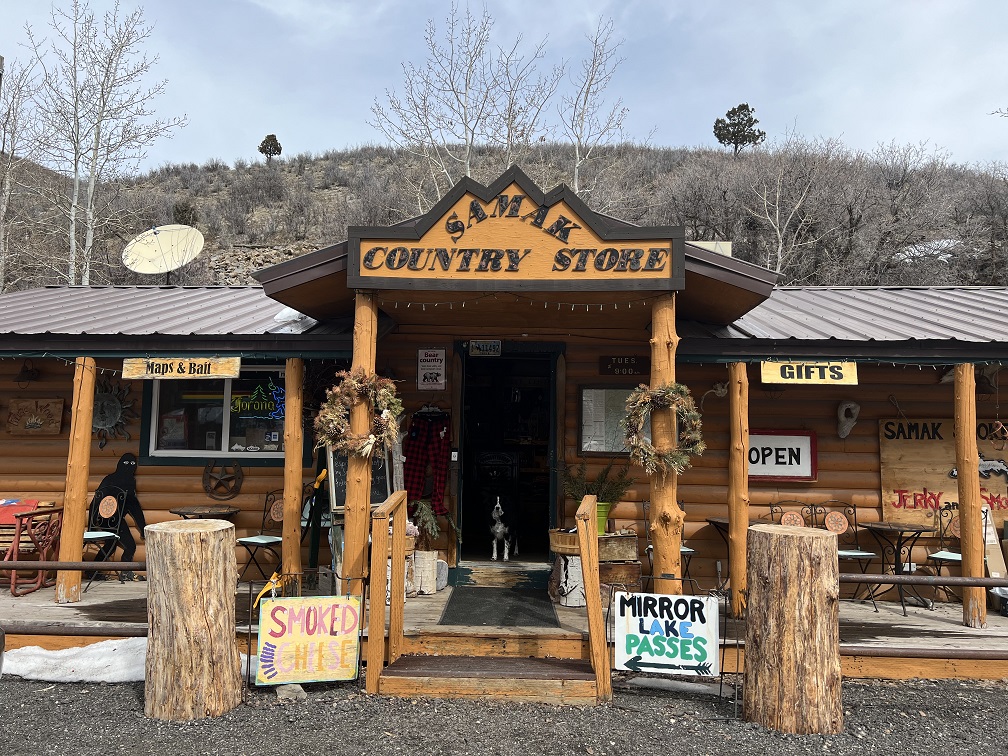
{"x":792,"y":653}
{"x":193,"y":669}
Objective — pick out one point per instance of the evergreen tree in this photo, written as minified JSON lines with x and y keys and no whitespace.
{"x":270,"y":147}
{"x":738,"y":128}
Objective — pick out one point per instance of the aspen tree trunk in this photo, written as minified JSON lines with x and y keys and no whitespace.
{"x":968,"y":480}
{"x":75,"y":503}
{"x":738,"y":484}
{"x":358,"y":490}
{"x":667,"y":518}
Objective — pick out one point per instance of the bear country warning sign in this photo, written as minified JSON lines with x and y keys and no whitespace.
{"x":674,"y":635}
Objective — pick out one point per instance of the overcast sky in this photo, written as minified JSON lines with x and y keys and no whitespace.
{"x":867,"y":71}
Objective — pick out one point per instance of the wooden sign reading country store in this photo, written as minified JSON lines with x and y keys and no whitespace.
{"x":511,"y":237}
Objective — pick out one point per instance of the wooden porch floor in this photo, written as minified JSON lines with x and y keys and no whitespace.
{"x":111,"y":609}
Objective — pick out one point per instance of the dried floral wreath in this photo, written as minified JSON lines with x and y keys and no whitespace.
{"x":332,"y":425}
{"x":639,"y":406}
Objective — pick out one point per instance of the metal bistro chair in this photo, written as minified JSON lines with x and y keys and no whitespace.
{"x":685,"y":552}
{"x":841,"y":518}
{"x":105,"y":519}
{"x":949,"y":548}
{"x":270,"y":534}
{"x":791,"y":512}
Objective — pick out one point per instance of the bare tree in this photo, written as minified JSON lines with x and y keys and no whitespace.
{"x":518,"y":122}
{"x":16,"y":149}
{"x":466,"y":94}
{"x":95,"y":114}
{"x":783,"y":199}
{"x":584,"y":117}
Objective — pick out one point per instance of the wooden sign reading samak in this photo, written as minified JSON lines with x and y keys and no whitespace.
{"x":147,"y":368}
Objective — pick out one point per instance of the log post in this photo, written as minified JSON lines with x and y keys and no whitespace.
{"x":968,"y":480}
{"x":738,"y":484}
{"x":358,"y":490}
{"x":193,"y":669}
{"x":792,"y":654}
{"x":293,"y":446}
{"x":75,"y":503}
{"x":667,"y":518}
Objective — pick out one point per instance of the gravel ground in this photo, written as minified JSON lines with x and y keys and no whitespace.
{"x":890,"y":718}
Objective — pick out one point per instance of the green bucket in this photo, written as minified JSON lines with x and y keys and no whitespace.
{"x":602,"y":509}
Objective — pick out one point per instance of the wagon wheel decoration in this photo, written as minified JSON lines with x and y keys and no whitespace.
{"x":113,"y":409}
{"x":222,"y":481}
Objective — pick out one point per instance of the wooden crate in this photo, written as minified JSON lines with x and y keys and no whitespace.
{"x":613,"y":547}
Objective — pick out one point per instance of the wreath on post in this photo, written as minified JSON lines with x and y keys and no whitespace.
{"x":332,"y":424}
{"x":641,"y":403}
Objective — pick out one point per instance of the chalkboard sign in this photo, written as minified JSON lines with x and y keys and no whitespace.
{"x":338,"y":476}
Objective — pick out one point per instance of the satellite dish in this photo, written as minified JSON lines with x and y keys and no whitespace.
{"x":163,"y":249}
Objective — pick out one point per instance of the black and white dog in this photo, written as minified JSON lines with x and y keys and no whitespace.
{"x":502,"y":532}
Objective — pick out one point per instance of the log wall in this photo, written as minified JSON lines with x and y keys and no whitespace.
{"x":35,"y":466}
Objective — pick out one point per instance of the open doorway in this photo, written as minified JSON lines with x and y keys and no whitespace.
{"x":508,"y":448}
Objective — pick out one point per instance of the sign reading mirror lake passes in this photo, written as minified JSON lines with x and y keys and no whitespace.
{"x":671,"y":635}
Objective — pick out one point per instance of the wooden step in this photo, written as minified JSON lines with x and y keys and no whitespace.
{"x":514,"y":574}
{"x":512,"y":642}
{"x":558,"y":681}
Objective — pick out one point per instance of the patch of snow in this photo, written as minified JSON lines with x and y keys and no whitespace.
{"x":110,"y":661}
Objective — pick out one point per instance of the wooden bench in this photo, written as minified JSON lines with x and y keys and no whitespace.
{"x":29,"y":529}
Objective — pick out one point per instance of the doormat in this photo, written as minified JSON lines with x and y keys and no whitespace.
{"x":502,"y":607}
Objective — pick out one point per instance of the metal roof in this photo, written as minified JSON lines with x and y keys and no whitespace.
{"x":137,"y":310}
{"x":877,"y":313}
{"x":935,"y":324}
{"x":148,"y":319}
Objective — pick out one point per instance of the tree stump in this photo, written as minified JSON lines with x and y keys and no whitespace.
{"x":193,"y":669}
{"x":792,"y":653}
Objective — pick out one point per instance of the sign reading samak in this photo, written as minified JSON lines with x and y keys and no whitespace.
{"x":147,"y":368}
{"x":833,"y":373}
{"x":919,"y":472}
{"x":515,"y":239}
{"x":673,"y":635}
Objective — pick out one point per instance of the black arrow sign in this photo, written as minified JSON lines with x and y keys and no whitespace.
{"x":637,"y":665}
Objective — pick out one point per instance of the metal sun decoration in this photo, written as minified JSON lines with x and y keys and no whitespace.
{"x":113,"y":409}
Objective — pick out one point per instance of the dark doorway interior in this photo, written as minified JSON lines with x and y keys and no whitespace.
{"x":506,"y":453}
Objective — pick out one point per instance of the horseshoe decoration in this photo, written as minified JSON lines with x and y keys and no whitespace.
{"x":222,"y":481}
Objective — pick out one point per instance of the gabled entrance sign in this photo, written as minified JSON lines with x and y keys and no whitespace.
{"x":513,"y":237}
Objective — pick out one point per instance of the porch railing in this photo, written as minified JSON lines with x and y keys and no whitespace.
{"x":394,"y":509}
{"x":587,"y":528}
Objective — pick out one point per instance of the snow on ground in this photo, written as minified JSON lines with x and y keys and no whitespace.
{"x":110,"y":661}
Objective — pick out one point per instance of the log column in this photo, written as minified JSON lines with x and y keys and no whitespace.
{"x":75,"y":503}
{"x":358,"y":490}
{"x":968,"y":480}
{"x":667,"y":518}
{"x":192,"y":669}
{"x":738,"y":484}
{"x":792,"y":653}
{"x":293,"y":446}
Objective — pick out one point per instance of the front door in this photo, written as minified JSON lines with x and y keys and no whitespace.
{"x":508,"y":453}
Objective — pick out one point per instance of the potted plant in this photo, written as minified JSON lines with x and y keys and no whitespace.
{"x":425,"y":557}
{"x":607,"y":487}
